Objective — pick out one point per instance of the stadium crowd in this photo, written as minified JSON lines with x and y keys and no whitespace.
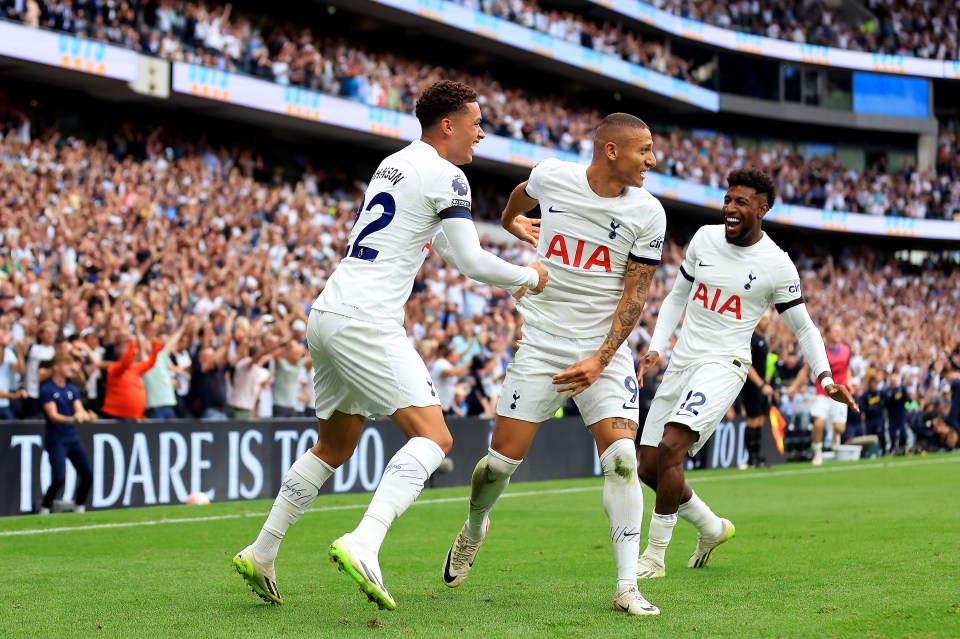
{"x":287,"y":54}
{"x":918,"y":28}
{"x":610,"y":39}
{"x":181,"y":285}
{"x":823,"y":182}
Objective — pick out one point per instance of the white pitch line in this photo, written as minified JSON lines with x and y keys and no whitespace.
{"x":448,"y":500}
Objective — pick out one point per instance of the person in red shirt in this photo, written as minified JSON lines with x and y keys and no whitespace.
{"x":126,"y":398}
{"x":824,"y":409}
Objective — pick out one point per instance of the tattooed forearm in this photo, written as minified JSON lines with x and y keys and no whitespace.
{"x":631,"y":304}
{"x":613,"y":341}
{"x":622,"y":423}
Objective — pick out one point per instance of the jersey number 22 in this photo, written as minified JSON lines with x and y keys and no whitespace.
{"x":386,"y":202}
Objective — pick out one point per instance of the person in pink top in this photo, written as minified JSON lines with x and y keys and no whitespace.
{"x":824,"y":409}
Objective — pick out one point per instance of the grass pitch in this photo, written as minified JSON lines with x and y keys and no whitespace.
{"x":867,"y":549}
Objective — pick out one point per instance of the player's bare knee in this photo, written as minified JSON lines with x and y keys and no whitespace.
{"x":647,"y":468}
{"x":648,"y":474}
{"x":667,"y":453}
{"x":672,"y":448}
{"x":443,"y":440}
{"x":332,"y":456}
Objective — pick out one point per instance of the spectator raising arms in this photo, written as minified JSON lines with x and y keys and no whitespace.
{"x":126,"y":397}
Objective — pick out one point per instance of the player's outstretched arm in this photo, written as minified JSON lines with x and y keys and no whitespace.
{"x":581,"y":375}
{"x":815,"y":353}
{"x":478,"y":264}
{"x":671,"y":310}
{"x":443,"y":249}
{"x":513,"y":220}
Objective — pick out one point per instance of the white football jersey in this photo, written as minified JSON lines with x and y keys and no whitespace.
{"x":408,"y":195}
{"x":732,"y":287}
{"x":585,"y":243}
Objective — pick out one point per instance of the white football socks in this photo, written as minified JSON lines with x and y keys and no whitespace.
{"x":623,"y":502}
{"x":661,"y":530}
{"x":402,"y":481}
{"x":817,"y":448}
{"x":300,"y":487}
{"x":490,"y":479}
{"x":699,"y":514}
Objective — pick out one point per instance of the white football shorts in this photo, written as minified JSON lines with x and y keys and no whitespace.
{"x":529,"y":393}
{"x":363,"y":368}
{"x":697,"y":397}
{"x":829,"y":411}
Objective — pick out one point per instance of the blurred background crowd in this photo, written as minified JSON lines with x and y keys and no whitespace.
{"x":181,"y":284}
{"x":918,"y":28}
{"x":176,"y":259}
{"x":810,"y":173}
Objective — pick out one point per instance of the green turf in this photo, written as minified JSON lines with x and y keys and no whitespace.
{"x":850,"y":550}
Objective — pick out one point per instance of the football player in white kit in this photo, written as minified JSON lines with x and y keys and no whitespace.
{"x":364,"y":363}
{"x":600,"y":239}
{"x":729,"y":277}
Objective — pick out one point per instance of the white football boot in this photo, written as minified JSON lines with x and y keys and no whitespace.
{"x":705,"y":547}
{"x":632,"y":602}
{"x":364,"y":568}
{"x":460,"y":558}
{"x":649,"y":568}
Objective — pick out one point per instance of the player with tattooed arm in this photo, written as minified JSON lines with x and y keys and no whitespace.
{"x":600,"y":239}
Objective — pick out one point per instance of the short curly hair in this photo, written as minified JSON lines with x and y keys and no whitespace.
{"x":441,"y":100}
{"x":757,"y":179}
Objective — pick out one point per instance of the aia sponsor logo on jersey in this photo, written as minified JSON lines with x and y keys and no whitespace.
{"x":460,"y":185}
{"x":599,"y":256}
{"x":731,"y":303}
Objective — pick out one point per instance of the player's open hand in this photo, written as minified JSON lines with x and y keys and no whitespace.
{"x":647,"y":362}
{"x":839,"y":393}
{"x":578,"y":377}
{"x":543,"y":278}
{"x":525,"y":229}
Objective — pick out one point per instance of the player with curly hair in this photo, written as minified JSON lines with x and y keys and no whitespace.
{"x":730,"y":275}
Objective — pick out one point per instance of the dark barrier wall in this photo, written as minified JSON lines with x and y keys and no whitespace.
{"x":150,"y":463}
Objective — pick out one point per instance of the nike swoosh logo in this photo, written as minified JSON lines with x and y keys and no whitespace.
{"x":628,"y":407}
{"x":553,"y":210}
{"x":626,"y":534}
{"x":702,"y":264}
{"x":447,"y":577}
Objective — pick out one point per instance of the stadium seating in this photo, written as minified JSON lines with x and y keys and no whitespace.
{"x":925,"y":29}
{"x":233,"y":273}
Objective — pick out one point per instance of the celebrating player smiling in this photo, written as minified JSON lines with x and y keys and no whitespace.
{"x":729,"y":277}
{"x":364,"y":363}
{"x":600,"y":240}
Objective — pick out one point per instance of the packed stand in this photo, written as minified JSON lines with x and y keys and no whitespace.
{"x":181,"y":284}
{"x":288,"y":54}
{"x":918,"y":28}
{"x":900,"y":325}
{"x":822,"y":182}
{"x":607,"y":38}
{"x":214,"y":36}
